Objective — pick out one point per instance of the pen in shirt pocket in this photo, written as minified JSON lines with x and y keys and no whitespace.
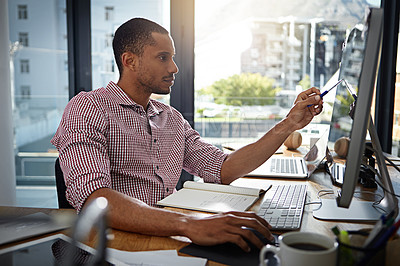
{"x":328,"y":90}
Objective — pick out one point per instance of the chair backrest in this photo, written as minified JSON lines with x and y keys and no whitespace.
{"x":61,"y":188}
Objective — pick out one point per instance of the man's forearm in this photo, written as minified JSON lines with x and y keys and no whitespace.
{"x":253,"y":155}
{"x":132,"y":215}
{"x":129,"y":214}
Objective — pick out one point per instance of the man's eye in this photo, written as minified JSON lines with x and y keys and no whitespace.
{"x":163,"y":58}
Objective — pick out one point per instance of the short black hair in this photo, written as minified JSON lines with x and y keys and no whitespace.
{"x":133,"y":36}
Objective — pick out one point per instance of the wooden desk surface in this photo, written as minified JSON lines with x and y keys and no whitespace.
{"x":137,"y":242}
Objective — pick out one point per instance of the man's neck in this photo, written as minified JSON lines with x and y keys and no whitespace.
{"x":136,"y":94}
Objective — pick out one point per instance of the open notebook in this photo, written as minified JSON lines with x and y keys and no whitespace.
{"x":294,"y":167}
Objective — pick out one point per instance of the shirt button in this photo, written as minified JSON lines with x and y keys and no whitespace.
{"x":155,"y":140}
{"x":157,"y":167}
{"x":167,"y":189}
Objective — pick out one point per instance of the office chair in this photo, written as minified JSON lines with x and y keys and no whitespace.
{"x":61,"y":188}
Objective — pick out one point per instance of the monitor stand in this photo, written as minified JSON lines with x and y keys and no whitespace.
{"x":363,"y":210}
{"x":358,"y":211}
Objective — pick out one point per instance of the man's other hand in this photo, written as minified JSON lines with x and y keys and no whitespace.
{"x":228,"y":227}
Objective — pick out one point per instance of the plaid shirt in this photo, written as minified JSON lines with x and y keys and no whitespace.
{"x":106,"y":140}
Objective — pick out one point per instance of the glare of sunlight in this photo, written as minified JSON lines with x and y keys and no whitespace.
{"x":376,"y":3}
{"x":221,"y":52}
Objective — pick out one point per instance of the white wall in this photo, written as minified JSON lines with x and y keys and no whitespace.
{"x":7,"y":164}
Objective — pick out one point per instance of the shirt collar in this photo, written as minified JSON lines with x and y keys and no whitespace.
{"x":122,"y":98}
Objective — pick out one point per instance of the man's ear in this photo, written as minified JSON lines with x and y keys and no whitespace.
{"x":129,"y":60}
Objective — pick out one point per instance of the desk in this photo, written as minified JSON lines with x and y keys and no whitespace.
{"x":137,"y":242}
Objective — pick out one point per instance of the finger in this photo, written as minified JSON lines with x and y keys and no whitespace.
{"x":319,"y":109}
{"x":252,"y":215}
{"x":251,"y":237}
{"x":311,"y":91}
{"x":310,"y":101}
{"x":254,"y":223}
{"x":307,"y":93}
{"x":239,"y":240}
{"x":246,"y":235}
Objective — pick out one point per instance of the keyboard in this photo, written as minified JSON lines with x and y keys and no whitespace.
{"x":283,"y":206}
{"x":283,"y":165}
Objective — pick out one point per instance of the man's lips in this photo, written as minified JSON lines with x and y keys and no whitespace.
{"x":169,"y":80}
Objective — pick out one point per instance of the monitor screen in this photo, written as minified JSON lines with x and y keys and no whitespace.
{"x":358,"y":70}
{"x":349,"y":73}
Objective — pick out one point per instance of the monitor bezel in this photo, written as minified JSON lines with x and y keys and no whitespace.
{"x":362,"y":119}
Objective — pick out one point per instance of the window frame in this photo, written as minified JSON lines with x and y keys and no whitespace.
{"x":24,"y":66}
{"x":23,"y":38}
{"x":22,"y":12}
{"x":385,"y":89}
{"x":109,"y":13}
{"x":182,"y":30}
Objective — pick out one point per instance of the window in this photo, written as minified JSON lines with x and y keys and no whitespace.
{"x":103,"y":66}
{"x":22,"y":12}
{"x":108,"y":39}
{"x":24,"y":63}
{"x":109,"y":13}
{"x":109,"y":66}
{"x":396,"y":122}
{"x":23,"y":39}
{"x":25,"y":92}
{"x":39,"y":96}
{"x":251,"y":64}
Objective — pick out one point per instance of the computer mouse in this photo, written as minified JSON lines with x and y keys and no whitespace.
{"x":263,"y":239}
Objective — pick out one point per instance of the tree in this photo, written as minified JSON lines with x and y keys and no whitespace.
{"x":305,"y":83}
{"x":243,"y":89}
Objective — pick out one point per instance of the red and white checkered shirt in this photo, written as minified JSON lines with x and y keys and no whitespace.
{"x":107,"y":140}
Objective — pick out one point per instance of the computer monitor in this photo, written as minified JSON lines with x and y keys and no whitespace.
{"x":359,"y":67}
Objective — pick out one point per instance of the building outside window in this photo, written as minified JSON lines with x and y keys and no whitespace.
{"x":39,"y":98}
{"x":23,"y":38}
{"x":22,"y":12}
{"x":252,"y":60}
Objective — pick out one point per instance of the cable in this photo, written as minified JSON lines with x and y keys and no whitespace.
{"x":375,"y":204}
{"x":392,"y":163}
{"x":313,"y":202}
{"x":327,"y":192}
{"x":386,"y":158}
{"x":380,"y":184}
{"x":330,"y":191}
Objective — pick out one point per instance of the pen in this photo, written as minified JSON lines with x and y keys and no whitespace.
{"x":376,"y":231}
{"x":328,"y":90}
{"x":386,"y":235}
{"x":229,"y":148}
{"x":350,"y":89}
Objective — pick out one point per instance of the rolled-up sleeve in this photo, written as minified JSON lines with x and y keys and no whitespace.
{"x":201,"y":158}
{"x":82,"y":144}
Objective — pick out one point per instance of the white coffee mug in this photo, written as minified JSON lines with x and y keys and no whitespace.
{"x":303,"y":248}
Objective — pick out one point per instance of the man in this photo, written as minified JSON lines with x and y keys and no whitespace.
{"x":117,"y":143}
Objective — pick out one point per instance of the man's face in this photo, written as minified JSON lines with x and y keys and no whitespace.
{"x":157,"y":69}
